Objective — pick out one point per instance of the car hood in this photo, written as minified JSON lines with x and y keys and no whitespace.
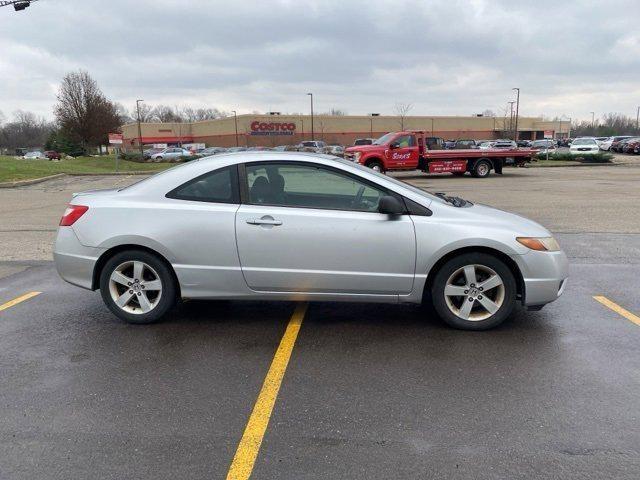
{"x":481,"y":215}
{"x":363,"y":148}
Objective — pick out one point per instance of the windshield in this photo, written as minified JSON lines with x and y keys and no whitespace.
{"x":584,"y":141}
{"x":385,"y":139}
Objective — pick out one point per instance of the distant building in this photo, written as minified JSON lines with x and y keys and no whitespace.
{"x":273,"y":130}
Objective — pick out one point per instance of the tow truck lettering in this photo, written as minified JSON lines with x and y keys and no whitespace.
{"x":400,"y":156}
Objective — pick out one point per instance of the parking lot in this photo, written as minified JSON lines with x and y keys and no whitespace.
{"x":369,"y":391}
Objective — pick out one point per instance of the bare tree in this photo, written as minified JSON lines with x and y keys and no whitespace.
{"x":166,"y":114}
{"x":147,"y":113}
{"x":401,"y":110}
{"x":25,"y":130}
{"x":83,"y":112}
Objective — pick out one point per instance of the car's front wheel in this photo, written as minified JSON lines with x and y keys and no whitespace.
{"x":474,"y":291}
{"x":137,"y":286}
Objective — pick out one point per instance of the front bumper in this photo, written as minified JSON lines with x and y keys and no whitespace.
{"x":545,"y":276}
{"x":75,"y":262}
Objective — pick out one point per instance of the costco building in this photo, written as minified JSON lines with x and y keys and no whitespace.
{"x":273,"y":130}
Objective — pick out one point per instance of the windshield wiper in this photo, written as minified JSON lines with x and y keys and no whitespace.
{"x":455,"y":201}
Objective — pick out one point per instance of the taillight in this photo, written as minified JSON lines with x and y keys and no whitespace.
{"x":71,"y":214}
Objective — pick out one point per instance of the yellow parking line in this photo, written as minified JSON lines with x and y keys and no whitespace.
{"x":18,"y":300}
{"x":249,"y":445}
{"x":618,"y":309}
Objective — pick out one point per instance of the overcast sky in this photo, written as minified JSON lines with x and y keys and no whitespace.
{"x":445,"y":57}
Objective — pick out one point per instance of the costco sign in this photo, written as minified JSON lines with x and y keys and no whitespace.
{"x":272,"y":128}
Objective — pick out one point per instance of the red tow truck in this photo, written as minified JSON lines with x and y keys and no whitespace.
{"x":408,"y":150}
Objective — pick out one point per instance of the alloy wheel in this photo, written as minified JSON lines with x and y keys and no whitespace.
{"x":135,"y":287}
{"x":474,"y":292}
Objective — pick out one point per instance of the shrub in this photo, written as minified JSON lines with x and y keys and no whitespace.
{"x":601,"y":157}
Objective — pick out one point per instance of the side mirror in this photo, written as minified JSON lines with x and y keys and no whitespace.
{"x":394,"y":145}
{"x":390,"y":205}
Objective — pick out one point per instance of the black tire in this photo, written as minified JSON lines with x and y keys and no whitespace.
{"x":376,"y":165}
{"x":480,"y":261}
{"x":167,"y":298}
{"x":482,"y":169}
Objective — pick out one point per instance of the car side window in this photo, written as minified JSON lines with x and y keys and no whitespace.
{"x":406,"y":141}
{"x":310,"y":186}
{"x":218,"y":186}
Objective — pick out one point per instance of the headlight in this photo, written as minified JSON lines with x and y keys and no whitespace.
{"x":356,"y":157}
{"x":541,"y":244}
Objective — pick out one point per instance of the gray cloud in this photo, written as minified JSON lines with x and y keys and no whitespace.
{"x":445,"y":57}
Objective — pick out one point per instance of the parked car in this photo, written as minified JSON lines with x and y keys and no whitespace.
{"x":629,"y":145}
{"x":564,"y":142}
{"x":505,"y":144}
{"x":212,"y":151}
{"x":608,"y":143}
{"x":337,"y":150}
{"x":616,"y":145}
{"x":382,"y":240}
{"x":363,"y":141}
{"x":52,"y":155}
{"x":486,"y":145}
{"x":543,"y":147}
{"x":314,"y":146}
{"x":34,"y":155}
{"x":584,"y":146}
{"x":146,"y":154}
{"x":172,"y":153}
{"x":523,"y":143}
{"x":465,"y":144}
{"x":236,"y":149}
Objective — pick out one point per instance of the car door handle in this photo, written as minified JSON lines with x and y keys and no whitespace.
{"x":264,"y":221}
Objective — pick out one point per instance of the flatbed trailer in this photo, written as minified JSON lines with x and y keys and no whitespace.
{"x":407,"y":150}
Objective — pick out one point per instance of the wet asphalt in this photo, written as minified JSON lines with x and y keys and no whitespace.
{"x":371,"y":391}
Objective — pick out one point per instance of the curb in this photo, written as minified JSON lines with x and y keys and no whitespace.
{"x":33,"y":181}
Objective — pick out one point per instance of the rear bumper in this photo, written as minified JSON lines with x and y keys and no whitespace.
{"x":545,"y":276}
{"x":74,"y":262}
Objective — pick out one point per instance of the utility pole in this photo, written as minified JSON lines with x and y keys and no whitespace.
{"x":140,"y":130}
{"x":517,"y":112}
{"x":312,"y":134}
{"x":235,"y":121}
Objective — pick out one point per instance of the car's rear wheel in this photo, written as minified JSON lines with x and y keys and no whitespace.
{"x":481,"y":169}
{"x":137,"y":286}
{"x":474,"y":291}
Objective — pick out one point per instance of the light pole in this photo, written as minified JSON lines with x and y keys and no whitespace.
{"x":371,"y":123}
{"x":312,"y":135}
{"x":139,"y":129}
{"x":517,"y":112}
{"x":235,"y":121}
{"x":511,"y":118}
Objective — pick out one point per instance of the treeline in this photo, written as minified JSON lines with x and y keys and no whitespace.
{"x":607,"y":126}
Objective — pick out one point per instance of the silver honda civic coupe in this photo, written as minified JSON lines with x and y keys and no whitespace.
{"x":302,"y":227}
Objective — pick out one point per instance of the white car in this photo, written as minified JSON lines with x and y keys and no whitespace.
{"x":486,"y":145}
{"x":584,"y":146}
{"x":35,"y":154}
{"x":172,"y":153}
